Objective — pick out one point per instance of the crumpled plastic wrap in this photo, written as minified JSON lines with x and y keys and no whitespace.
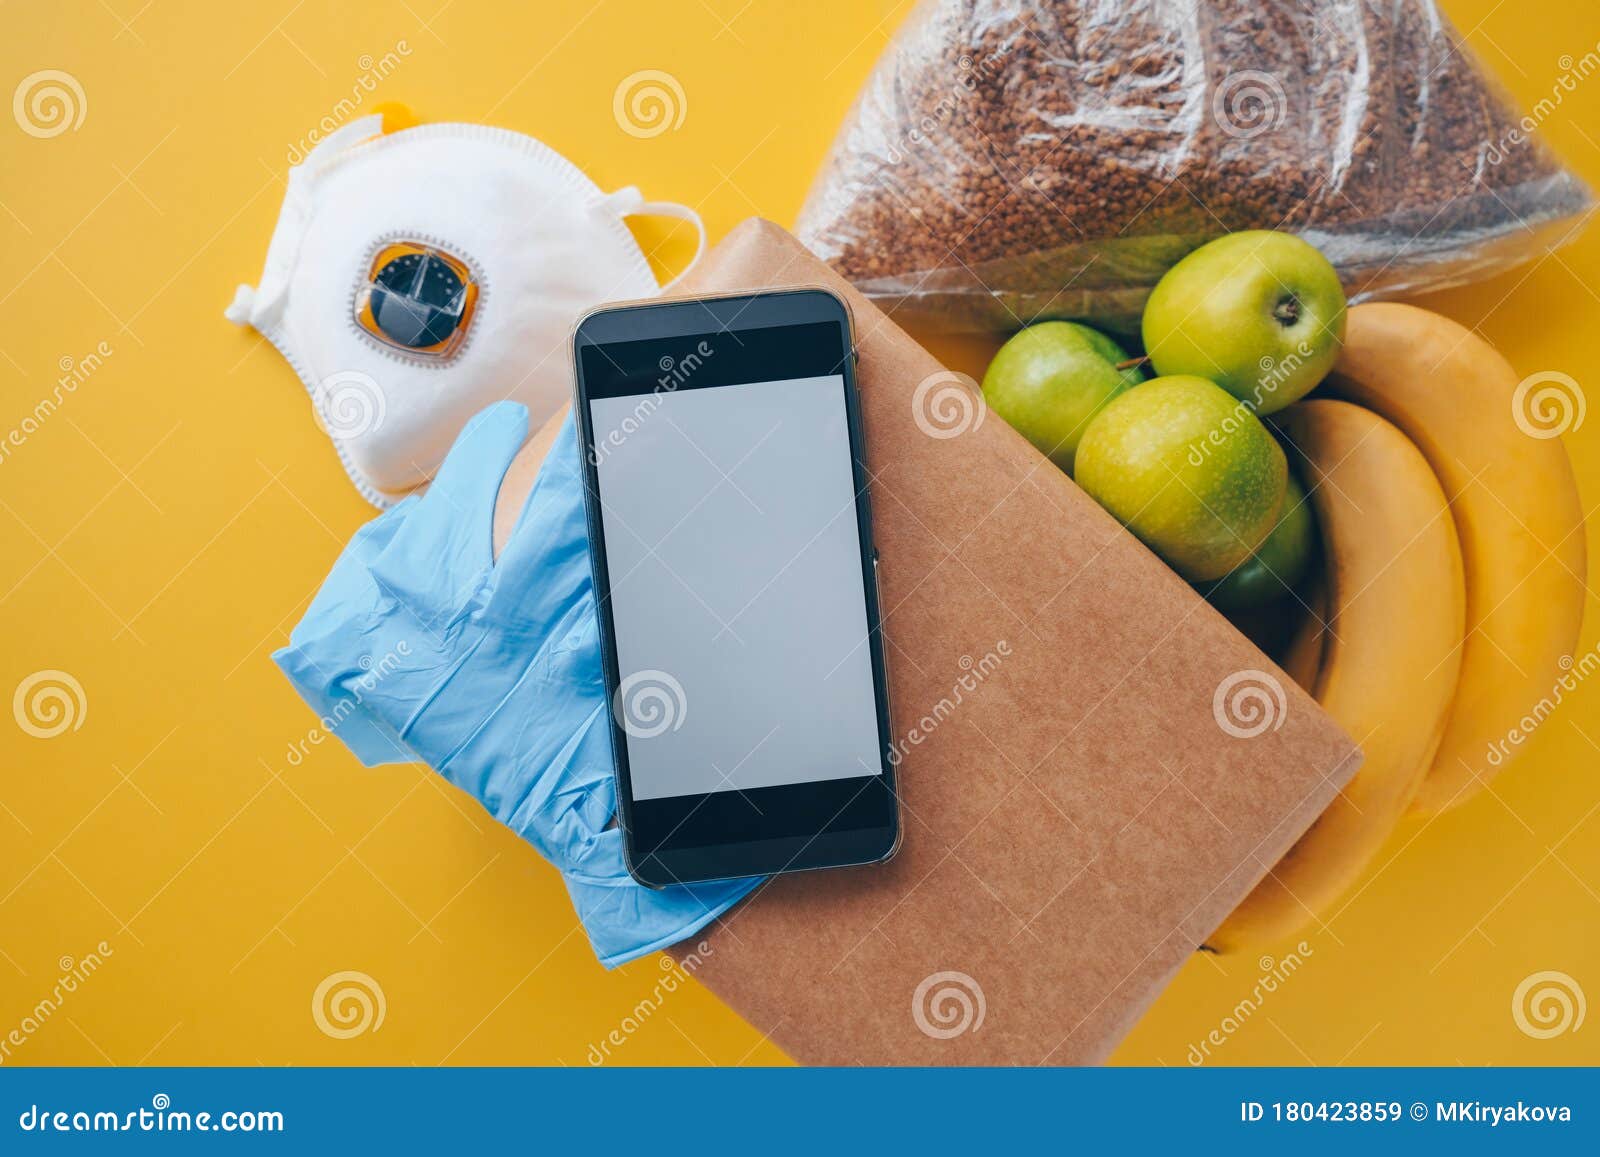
{"x":1010,"y":160}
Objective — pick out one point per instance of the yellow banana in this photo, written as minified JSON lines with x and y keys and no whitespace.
{"x":1391,"y":651}
{"x":1516,"y":510}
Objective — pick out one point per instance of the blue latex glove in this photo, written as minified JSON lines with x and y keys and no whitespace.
{"x":420,"y":645}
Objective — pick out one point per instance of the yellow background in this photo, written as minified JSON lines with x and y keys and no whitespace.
{"x":164,"y":529}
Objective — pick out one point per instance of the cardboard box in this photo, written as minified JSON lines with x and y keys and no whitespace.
{"x":1095,"y":765}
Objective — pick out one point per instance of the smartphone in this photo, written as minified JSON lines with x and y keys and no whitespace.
{"x":730,"y":530}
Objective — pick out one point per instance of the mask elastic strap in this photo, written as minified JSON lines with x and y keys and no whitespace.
{"x":257,"y":305}
{"x":630,"y":202}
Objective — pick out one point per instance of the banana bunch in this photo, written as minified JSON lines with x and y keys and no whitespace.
{"x":1452,"y":595}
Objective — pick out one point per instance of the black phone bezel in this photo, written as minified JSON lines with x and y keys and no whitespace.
{"x":824,"y":848}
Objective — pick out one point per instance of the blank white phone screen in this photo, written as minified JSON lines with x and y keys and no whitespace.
{"x":737,"y":598}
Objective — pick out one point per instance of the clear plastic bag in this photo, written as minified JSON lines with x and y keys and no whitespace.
{"x":1010,"y":160}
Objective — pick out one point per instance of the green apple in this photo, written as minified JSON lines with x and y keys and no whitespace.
{"x":1278,"y":564}
{"x":1189,"y":469}
{"x":1051,"y":378}
{"x":1259,"y":313}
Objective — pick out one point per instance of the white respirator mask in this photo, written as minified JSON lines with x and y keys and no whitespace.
{"x":415,"y":277}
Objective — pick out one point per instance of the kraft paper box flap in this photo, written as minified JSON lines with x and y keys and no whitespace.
{"x":1085,"y":790}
